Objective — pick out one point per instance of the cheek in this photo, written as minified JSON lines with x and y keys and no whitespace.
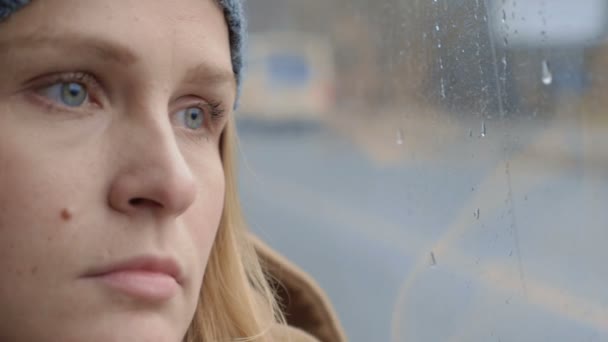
{"x":26,"y":196}
{"x":204,"y":216}
{"x":36,"y":186}
{"x":35,"y":240}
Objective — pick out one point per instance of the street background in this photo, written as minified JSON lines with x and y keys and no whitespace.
{"x":439,"y":167}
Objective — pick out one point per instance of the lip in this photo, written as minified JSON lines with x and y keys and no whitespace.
{"x":149,"y":278}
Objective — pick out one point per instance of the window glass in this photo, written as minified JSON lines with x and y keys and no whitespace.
{"x":439,"y":167}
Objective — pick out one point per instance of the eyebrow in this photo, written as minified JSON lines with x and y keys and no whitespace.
{"x":101,"y":48}
{"x":203,"y":73}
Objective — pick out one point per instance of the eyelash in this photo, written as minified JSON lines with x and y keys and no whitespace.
{"x":216,"y":109}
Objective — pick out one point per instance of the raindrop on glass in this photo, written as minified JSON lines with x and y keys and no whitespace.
{"x":547,"y":75}
{"x":504,"y":16}
{"x":476,"y":214}
{"x":483,"y":129}
{"x":437,"y":28}
{"x":399,"y":139}
{"x":433,"y":259}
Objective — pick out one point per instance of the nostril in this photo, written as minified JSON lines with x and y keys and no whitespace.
{"x":143,"y":202}
{"x":137,"y":201}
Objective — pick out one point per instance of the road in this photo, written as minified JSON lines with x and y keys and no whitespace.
{"x":456,"y":237}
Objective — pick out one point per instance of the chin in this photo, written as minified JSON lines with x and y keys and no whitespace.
{"x":142,"y":327}
{"x":151,"y":334}
{"x":124,"y":318}
{"x":136,"y":327}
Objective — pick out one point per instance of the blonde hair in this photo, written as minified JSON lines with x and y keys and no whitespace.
{"x":236,"y":301}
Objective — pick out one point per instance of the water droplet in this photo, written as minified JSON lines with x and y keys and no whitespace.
{"x":433,"y":259}
{"x":483,"y":129}
{"x":470,"y":133}
{"x":506,"y":41}
{"x":442,"y":89}
{"x":476,"y":214}
{"x":437,"y":28}
{"x":504,"y":16}
{"x":547,"y":75}
{"x":401,"y":53}
{"x":400,"y":140}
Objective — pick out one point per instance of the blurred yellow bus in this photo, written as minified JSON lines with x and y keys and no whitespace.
{"x":290,"y":76}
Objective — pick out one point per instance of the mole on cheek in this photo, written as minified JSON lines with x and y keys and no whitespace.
{"x":66,"y":215}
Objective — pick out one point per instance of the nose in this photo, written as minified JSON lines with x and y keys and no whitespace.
{"x":150,"y":173}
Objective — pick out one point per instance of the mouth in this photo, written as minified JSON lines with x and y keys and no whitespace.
{"x":147,"y":278}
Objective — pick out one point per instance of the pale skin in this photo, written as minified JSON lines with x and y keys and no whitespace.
{"x":111,"y":114}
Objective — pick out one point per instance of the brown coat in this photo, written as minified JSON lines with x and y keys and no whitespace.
{"x":307,"y":309}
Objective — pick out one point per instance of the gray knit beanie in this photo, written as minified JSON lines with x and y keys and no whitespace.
{"x":235,"y":18}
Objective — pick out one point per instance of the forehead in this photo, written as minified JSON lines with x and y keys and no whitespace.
{"x":170,"y":33}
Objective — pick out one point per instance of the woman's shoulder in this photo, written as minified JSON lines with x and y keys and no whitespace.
{"x":307,"y":308}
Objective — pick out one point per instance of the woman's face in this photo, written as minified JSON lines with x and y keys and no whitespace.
{"x":111,"y":181}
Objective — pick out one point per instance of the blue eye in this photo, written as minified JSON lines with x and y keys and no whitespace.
{"x":71,"y":94}
{"x":193,"y":118}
